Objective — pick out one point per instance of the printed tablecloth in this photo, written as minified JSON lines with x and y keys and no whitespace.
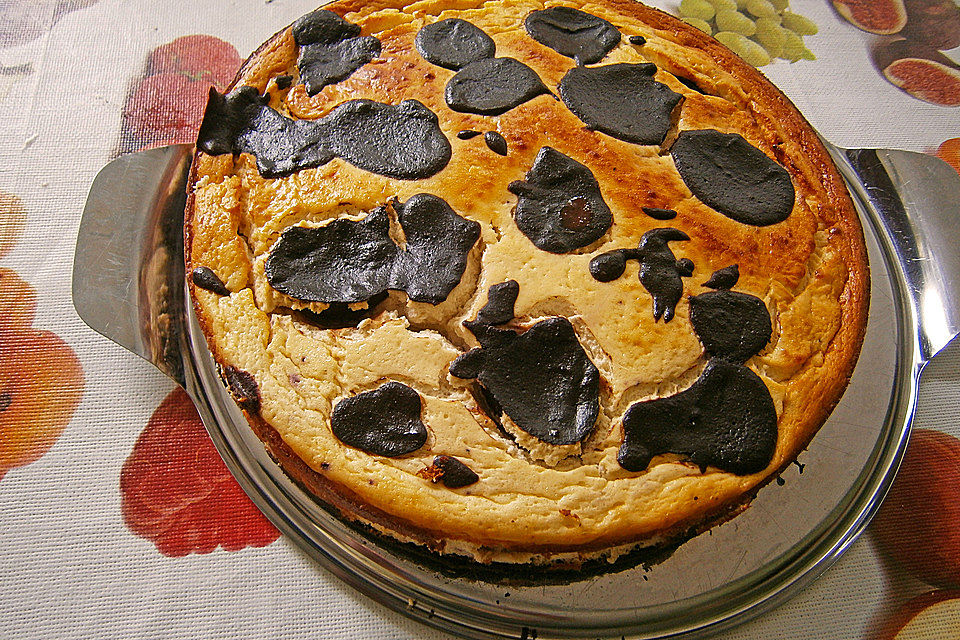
{"x":108,"y":532}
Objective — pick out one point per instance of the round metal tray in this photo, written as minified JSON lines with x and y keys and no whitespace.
{"x":129,"y":258}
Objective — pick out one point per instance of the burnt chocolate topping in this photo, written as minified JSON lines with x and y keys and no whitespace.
{"x":483,"y":84}
{"x":659,"y":214}
{"x":573,"y":33}
{"x":226,"y":117}
{"x":345,"y":261}
{"x":331,"y":49}
{"x":402,"y":141}
{"x":243,"y":388}
{"x":454,"y":43}
{"x":559,"y":205}
{"x":621,"y":100}
{"x":726,"y":419}
{"x":499,"y":308}
{"x":660,"y":271}
{"x":454,"y":474}
{"x":398,"y":141}
{"x":637,"y":40}
{"x":467,"y":134}
{"x":724,"y":278}
{"x":350,"y":261}
{"x":611,"y":265}
{"x":382,"y":422}
{"x":731,"y":325}
{"x":493,"y":86}
{"x":437,"y":243}
{"x":205,"y":278}
{"x":542,"y":379}
{"x":284,"y":82}
{"x":322,"y":27}
{"x":733,"y":177}
{"x":495,"y":142}
{"x":468,"y":365}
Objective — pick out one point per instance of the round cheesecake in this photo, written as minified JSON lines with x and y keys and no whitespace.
{"x":522,"y":282}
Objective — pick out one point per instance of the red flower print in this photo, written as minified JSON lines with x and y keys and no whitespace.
{"x":930,"y":615}
{"x":918,"y":525}
{"x":166,"y":105}
{"x":166,"y":109}
{"x":198,"y":57}
{"x":177,"y":492}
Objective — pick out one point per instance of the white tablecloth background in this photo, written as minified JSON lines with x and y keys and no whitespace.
{"x":70,"y":568}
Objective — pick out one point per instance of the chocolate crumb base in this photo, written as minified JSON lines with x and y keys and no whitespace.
{"x":519,"y":575}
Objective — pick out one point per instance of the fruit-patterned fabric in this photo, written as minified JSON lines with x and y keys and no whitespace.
{"x":117,"y":517}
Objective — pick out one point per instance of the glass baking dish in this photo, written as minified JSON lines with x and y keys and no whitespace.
{"x":128,"y":284}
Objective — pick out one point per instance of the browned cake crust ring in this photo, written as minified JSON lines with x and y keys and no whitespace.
{"x":810,"y":271}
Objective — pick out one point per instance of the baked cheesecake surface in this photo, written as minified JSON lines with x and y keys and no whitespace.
{"x":518,"y":281}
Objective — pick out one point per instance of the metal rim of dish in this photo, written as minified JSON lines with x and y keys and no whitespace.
{"x":421,"y":596}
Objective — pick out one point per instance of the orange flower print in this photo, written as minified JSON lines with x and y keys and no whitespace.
{"x":949,"y":152}
{"x":177,"y":492}
{"x":41,"y":379}
{"x":13,"y":218}
{"x":929,"y":616}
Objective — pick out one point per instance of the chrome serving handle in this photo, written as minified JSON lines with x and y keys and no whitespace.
{"x":128,"y":273}
{"x":915,"y":209}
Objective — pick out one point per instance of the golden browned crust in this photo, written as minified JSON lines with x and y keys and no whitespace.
{"x":811,"y":271}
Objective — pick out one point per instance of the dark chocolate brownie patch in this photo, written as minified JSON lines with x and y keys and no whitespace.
{"x":724,"y":278}
{"x":453,"y":473}
{"x":401,"y":141}
{"x":730,"y":324}
{"x":453,"y":43}
{"x":542,"y":378}
{"x":349,"y":261}
{"x":331,"y":49}
{"x":727,"y":419}
{"x":573,"y":33}
{"x":659,"y":214}
{"x":492,"y":86}
{"x":660,"y":271}
{"x":495,"y":142}
{"x":732,"y":176}
{"x":243,"y":387}
{"x":621,"y":100}
{"x":205,"y":278}
{"x":382,"y":422}
{"x":559,"y":205}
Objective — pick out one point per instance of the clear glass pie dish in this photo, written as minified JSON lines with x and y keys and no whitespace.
{"x":129,"y":286}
